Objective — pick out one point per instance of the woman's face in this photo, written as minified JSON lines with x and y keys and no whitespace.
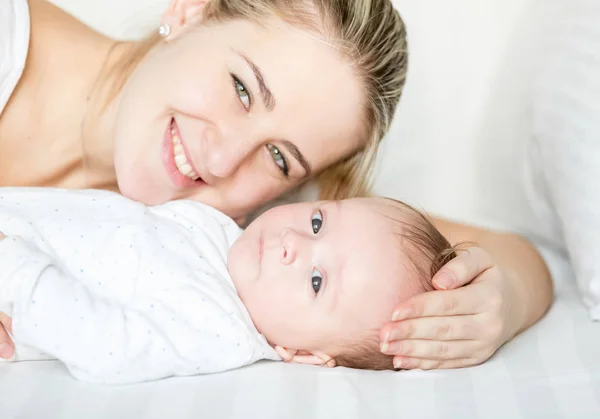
{"x":233,"y":114}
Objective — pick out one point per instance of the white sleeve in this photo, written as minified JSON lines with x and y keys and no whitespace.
{"x":99,"y":340}
{"x":14,"y":45}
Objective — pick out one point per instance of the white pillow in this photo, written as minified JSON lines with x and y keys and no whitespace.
{"x":565,"y":152}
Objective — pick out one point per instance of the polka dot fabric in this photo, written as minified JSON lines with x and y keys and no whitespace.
{"x":121,"y":292}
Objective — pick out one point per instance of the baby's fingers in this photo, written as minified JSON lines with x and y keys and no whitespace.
{"x":463,"y":269}
{"x":431,"y":349}
{"x":7,"y":349}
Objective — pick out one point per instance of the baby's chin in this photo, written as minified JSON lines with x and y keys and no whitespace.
{"x":242,"y":263}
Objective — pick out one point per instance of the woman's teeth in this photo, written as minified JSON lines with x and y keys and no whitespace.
{"x":180,"y":160}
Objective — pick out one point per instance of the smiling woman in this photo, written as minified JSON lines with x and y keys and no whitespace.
{"x":232,"y":104}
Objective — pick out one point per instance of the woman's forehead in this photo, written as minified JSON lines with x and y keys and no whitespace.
{"x":319,"y":98}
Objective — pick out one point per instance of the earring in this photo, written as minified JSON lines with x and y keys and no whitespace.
{"x":164,"y":30}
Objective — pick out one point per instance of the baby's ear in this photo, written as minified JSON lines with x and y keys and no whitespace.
{"x":305,"y":357}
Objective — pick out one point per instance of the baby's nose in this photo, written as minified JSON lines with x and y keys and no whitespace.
{"x":289,"y":246}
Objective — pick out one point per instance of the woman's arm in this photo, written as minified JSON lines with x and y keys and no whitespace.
{"x":487,"y":295}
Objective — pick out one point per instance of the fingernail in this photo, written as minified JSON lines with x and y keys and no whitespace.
{"x":384,"y":347}
{"x":397,"y":363}
{"x":444,"y":281}
{"x":403,"y":313}
{"x":6,"y":352}
{"x":386,"y":337}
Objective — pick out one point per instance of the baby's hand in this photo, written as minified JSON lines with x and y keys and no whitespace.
{"x":7,"y":348}
{"x":460,"y":327}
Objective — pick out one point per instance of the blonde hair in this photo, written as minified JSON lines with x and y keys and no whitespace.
{"x":369,"y":33}
{"x":428,"y":251}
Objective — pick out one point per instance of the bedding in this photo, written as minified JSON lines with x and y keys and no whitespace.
{"x":565,"y":148}
{"x":552,"y":371}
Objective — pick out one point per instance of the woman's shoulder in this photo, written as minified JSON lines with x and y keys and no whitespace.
{"x":14,"y":43}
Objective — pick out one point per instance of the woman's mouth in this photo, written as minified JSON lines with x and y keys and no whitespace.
{"x":177,"y":159}
{"x":180,"y":157}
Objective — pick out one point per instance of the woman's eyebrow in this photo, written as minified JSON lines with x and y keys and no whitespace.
{"x":267,"y":96}
{"x":295,"y":151}
{"x":269,"y":102}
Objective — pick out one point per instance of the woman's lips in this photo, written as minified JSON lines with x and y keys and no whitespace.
{"x":176,"y":159}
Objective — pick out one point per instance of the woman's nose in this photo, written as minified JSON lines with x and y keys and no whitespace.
{"x":291,"y":244}
{"x":225,"y":155}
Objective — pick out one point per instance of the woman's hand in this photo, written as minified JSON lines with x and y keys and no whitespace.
{"x":456,"y":326}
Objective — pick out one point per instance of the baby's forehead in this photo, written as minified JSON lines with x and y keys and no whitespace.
{"x":381,"y":258}
{"x":382,"y":218}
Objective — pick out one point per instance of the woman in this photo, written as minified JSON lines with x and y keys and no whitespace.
{"x":233,"y":104}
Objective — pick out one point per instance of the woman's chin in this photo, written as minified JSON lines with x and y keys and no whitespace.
{"x":141,"y":189}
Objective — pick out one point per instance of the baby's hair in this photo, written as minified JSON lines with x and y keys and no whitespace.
{"x":428,"y":251}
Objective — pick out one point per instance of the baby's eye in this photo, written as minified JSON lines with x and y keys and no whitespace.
{"x":317,"y":280}
{"x":317,"y":221}
{"x":242,"y":93}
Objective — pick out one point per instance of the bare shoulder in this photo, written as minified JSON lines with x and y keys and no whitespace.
{"x":50,"y":23}
{"x":64,"y":56}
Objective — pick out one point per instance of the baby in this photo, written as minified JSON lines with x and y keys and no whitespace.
{"x":123,"y":293}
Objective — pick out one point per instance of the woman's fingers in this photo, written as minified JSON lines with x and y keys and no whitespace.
{"x":406,"y":363}
{"x":431,"y":349}
{"x":457,"y":302}
{"x":463,"y":269}
{"x":432,"y":328}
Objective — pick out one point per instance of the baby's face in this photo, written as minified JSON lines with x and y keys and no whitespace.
{"x":313,"y":272}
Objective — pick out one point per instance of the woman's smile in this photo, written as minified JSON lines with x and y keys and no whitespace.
{"x":178,"y":163}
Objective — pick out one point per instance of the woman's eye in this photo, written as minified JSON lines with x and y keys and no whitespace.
{"x":279,"y":159}
{"x":316,"y":281}
{"x":242,"y":93}
{"x":316,"y":222}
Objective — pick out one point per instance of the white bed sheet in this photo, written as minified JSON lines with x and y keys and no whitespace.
{"x":552,"y":371}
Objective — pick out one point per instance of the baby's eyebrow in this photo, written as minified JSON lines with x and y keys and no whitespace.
{"x":335,"y":285}
{"x":333,"y":297}
{"x":333,"y":212}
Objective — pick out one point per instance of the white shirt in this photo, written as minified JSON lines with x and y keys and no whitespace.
{"x":121,"y":292}
{"x":14,"y":45}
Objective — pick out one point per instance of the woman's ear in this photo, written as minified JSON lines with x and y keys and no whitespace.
{"x":305,"y":357}
{"x":182,"y":13}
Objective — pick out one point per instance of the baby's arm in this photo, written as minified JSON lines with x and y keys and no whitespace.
{"x":99,"y":340}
